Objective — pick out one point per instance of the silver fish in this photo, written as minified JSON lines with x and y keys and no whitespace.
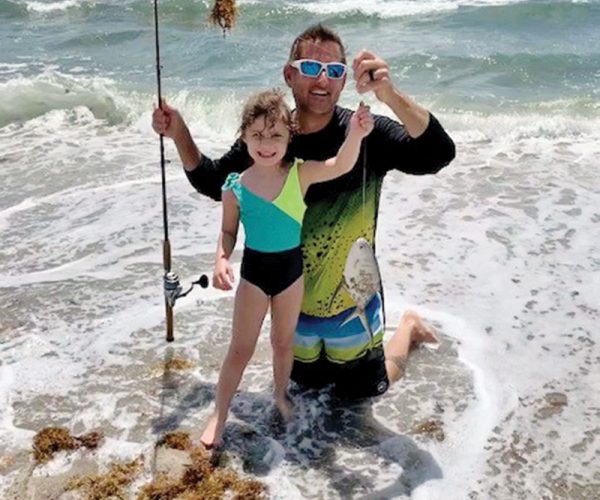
{"x":361,"y":279}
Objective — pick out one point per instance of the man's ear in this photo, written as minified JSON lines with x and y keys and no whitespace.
{"x":287,"y":74}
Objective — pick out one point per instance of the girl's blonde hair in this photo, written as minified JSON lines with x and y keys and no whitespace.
{"x":272,"y":106}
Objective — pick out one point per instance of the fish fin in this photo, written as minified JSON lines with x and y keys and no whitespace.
{"x":355,"y":314}
{"x":363,"y":319}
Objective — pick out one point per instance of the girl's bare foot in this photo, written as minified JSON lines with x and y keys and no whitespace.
{"x":213,"y":433}
{"x":285,"y":407}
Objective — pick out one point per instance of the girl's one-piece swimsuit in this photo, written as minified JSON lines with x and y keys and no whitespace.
{"x":272,"y":258}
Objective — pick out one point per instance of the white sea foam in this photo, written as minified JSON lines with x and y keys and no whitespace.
{"x":498,"y":252}
{"x":51,"y":6}
{"x":31,"y":96}
{"x":387,"y":9}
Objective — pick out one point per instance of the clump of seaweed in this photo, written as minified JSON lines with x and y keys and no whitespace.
{"x":223,"y":14}
{"x":108,"y":485}
{"x":203,"y":479}
{"x":91,"y":440}
{"x":173,"y":365}
{"x":432,"y":428}
{"x":179,"y":364}
{"x":51,"y":440}
{"x":176,"y":441}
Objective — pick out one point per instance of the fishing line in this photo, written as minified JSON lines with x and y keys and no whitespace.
{"x":364,"y":186}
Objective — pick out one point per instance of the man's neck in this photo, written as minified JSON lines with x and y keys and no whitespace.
{"x":310,"y":122}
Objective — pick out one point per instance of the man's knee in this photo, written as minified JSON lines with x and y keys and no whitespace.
{"x":314,"y":374}
{"x":395,"y":367}
{"x":363,"y":377}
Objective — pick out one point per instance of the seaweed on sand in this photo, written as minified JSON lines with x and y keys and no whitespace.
{"x":54,"y":439}
{"x":108,"y":485}
{"x":203,"y":479}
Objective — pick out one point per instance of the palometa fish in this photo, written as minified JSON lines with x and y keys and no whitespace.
{"x":361,"y":280}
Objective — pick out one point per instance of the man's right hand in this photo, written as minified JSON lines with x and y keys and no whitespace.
{"x":167,"y":121}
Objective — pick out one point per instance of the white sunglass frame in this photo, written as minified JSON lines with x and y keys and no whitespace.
{"x":324,"y":67}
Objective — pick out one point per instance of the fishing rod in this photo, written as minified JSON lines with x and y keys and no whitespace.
{"x":172,"y":287}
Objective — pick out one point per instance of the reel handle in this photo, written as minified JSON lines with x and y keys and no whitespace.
{"x":202,"y":281}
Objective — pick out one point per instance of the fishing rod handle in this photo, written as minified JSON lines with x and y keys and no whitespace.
{"x":168,"y":307}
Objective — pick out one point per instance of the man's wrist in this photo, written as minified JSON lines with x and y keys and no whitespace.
{"x":388,"y":95}
{"x":394,"y":98}
{"x":182,"y":136}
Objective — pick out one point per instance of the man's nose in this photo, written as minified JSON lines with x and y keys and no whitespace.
{"x":322,"y":78}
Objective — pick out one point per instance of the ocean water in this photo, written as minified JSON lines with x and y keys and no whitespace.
{"x":499,"y":251}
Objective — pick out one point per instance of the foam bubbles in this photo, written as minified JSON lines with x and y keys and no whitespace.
{"x":47,"y":7}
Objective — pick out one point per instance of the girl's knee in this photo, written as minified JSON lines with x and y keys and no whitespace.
{"x":240,"y":356}
{"x":281,"y":345}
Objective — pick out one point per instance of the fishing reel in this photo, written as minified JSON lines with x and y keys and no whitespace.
{"x":174,"y":290}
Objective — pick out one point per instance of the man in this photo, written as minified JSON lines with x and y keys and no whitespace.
{"x":327,"y":349}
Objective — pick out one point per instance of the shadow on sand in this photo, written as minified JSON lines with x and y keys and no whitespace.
{"x":323,"y":432}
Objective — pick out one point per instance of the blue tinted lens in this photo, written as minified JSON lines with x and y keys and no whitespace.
{"x":335,"y":70}
{"x":311,"y":68}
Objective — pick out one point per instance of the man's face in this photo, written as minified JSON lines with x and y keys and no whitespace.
{"x":315,"y":95}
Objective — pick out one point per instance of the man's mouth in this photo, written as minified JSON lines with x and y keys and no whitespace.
{"x":319,"y":93}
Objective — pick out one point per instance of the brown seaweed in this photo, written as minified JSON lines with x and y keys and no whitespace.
{"x":51,"y":440}
{"x":223,"y":14}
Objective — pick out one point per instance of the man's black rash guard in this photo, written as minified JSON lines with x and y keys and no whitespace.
{"x":388,"y":147}
{"x":343,"y":209}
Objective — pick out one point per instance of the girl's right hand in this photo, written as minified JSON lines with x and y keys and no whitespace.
{"x":362,"y":122}
{"x":223,"y":277}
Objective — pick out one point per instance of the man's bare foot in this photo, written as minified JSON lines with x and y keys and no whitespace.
{"x":420,"y":333}
{"x":285,"y":407}
{"x":213,"y":433}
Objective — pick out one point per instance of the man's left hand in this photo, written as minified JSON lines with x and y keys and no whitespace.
{"x":372,"y":74}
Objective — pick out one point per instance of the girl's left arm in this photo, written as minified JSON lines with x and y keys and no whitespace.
{"x":223,"y":277}
{"x":361,"y":125}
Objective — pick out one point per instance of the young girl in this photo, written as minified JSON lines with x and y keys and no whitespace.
{"x":269,"y":199}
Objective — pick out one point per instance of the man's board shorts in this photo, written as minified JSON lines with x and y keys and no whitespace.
{"x":330,"y":351}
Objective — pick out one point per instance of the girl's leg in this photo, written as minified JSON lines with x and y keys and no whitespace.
{"x":285,"y":308}
{"x":249,"y":312}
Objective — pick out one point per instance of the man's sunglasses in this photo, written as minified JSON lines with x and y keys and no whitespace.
{"x":313,"y":69}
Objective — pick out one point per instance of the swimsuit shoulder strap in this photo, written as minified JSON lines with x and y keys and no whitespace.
{"x":233,"y":182}
{"x":290,"y":199}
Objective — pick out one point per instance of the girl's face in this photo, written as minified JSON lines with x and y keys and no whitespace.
{"x":267,"y":145}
